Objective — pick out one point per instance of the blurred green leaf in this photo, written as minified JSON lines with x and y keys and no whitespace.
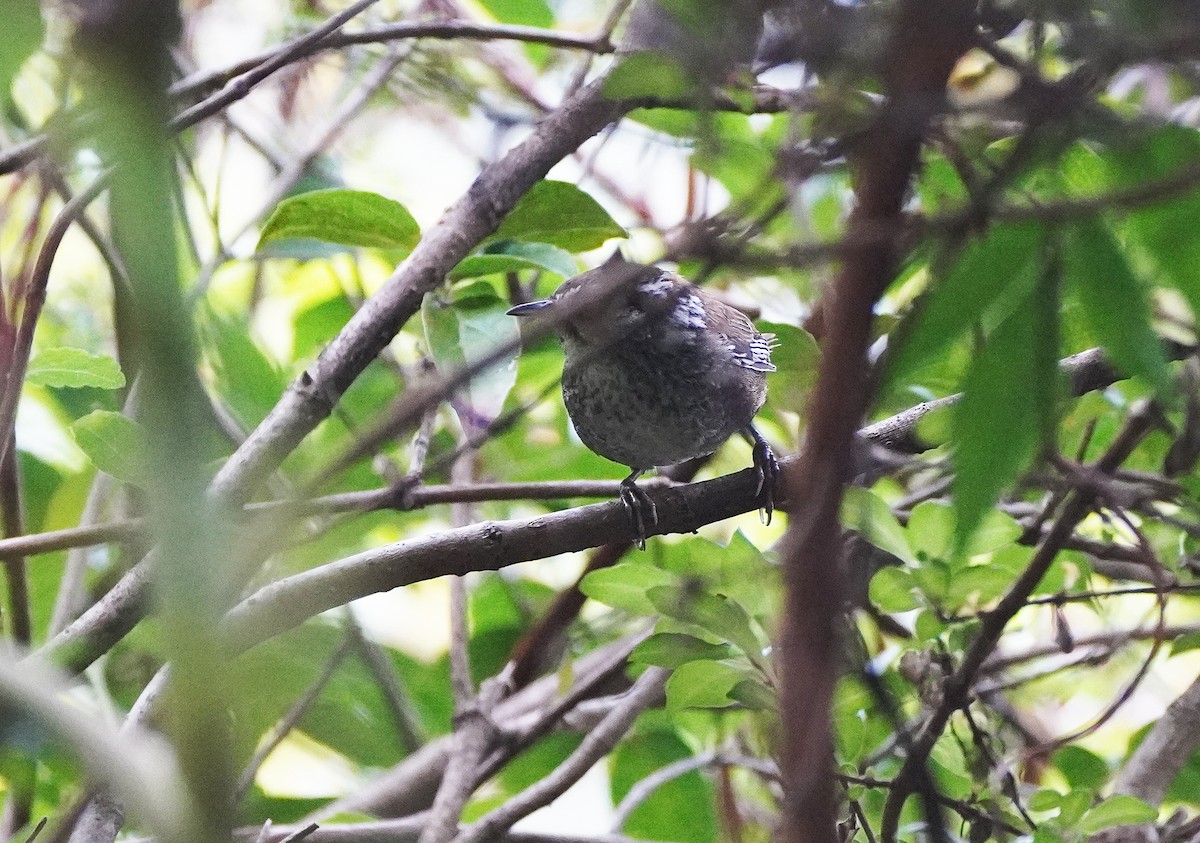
{"x":1073,"y":805}
{"x":1081,"y":767}
{"x":715,"y":613}
{"x":1003,"y":266}
{"x":524,"y":12}
{"x":702,"y":684}
{"x":646,"y":74}
{"x":682,"y":809}
{"x":753,"y":693}
{"x":115,"y":445}
{"x":869,"y":515}
{"x":625,"y":586}
{"x":891,"y":590}
{"x":560,"y":214}
{"x":1163,"y":232}
{"x":514,"y":256}
{"x":1114,"y":303}
{"x":1007,"y":408}
{"x":74,"y":367}
{"x":463,"y":333}
{"x":672,"y":649}
{"x":349,"y":217}
{"x":1045,"y":800}
{"x":20,"y":37}
{"x":1117,"y":809}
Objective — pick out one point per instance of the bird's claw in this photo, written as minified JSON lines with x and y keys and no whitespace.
{"x":766,"y":470}
{"x":641,"y":509}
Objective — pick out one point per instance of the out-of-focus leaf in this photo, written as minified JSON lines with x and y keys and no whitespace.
{"x":647,"y":75}
{"x":1045,"y":800}
{"x":349,"y":217}
{"x":1114,"y":302}
{"x":560,"y":214}
{"x":1081,"y":767}
{"x":463,"y":333}
{"x":891,"y":590}
{"x":702,"y":684}
{"x":1073,"y":805}
{"x":74,"y":367}
{"x":1164,"y":232}
{"x":1118,"y":809}
{"x":682,"y":809}
{"x":869,"y":515}
{"x":20,"y":36}
{"x":795,"y":360}
{"x":625,"y":586}
{"x":1004,"y":265}
{"x":246,"y":380}
{"x":115,"y":445}
{"x":931,"y":529}
{"x":1007,"y":408}
{"x":754,"y":695}
{"x":514,"y":256}
{"x":672,"y":649}
{"x":715,"y":613}
{"x":524,"y":12}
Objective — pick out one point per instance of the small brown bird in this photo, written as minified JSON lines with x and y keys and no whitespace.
{"x":657,"y":372}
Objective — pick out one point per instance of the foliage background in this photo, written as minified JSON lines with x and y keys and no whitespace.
{"x":1017,"y":566}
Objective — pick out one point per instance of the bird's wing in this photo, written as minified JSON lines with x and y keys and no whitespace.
{"x":750,"y":349}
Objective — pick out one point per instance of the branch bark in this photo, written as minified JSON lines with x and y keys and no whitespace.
{"x":928,"y":38}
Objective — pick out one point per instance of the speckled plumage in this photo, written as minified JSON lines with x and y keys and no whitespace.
{"x":657,"y":371}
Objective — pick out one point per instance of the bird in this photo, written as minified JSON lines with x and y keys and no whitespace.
{"x":657,"y":371}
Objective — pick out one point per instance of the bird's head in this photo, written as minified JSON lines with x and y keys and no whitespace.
{"x":609,"y":302}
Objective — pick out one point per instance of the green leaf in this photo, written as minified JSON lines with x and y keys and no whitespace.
{"x":1118,"y":809}
{"x":514,"y":256}
{"x":1007,"y":409}
{"x":1185,"y":643}
{"x":560,"y":214}
{"x":1045,"y":800}
{"x":931,"y":528}
{"x":891,"y":590}
{"x":682,"y":809}
{"x":715,"y":613}
{"x":1114,"y":303}
{"x":1074,"y":805}
{"x":646,"y":75}
{"x":869,"y":515}
{"x":115,"y":445}
{"x":625,"y":586}
{"x":795,"y":362}
{"x":1003,"y":266}
{"x":1163,"y":232}
{"x":702,"y":684}
{"x":523,"y":12}
{"x":74,"y":367}
{"x":463,"y":333}
{"x":754,"y":694}
{"x":349,"y":217}
{"x":20,"y":37}
{"x":1081,"y":767}
{"x":672,"y":649}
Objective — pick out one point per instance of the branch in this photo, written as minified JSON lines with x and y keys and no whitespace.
{"x":311,"y":397}
{"x":487,"y":546}
{"x":928,"y":38}
{"x":596,"y":744}
{"x":957,"y":686}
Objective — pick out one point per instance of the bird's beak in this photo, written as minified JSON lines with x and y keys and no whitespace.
{"x":529,"y":308}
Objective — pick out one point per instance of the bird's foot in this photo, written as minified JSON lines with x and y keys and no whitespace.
{"x":641,"y":510}
{"x":766,"y":470}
